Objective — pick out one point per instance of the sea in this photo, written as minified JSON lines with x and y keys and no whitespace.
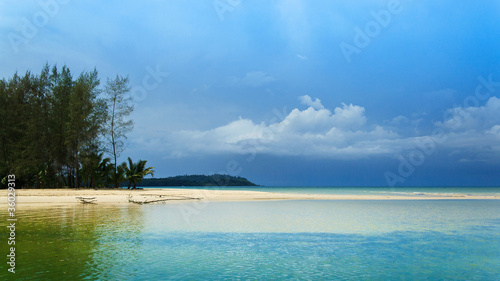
{"x":263,"y":240}
{"x":395,"y":191}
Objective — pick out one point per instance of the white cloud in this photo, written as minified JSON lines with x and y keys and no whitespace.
{"x":472,"y":117}
{"x":495,"y":130}
{"x":349,"y":116}
{"x":254,"y":79}
{"x":314,"y":132}
{"x":306,"y":100}
{"x":301,"y":57}
{"x":400,"y":119}
{"x":342,"y":133}
{"x":473,"y":130}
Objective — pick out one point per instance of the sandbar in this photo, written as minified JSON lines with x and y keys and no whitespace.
{"x":175,"y":195}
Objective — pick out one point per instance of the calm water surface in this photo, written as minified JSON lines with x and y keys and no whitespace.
{"x":408,"y":191}
{"x":311,"y":240}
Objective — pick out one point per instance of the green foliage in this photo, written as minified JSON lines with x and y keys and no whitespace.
{"x":135,"y":172}
{"x":198,"y":180}
{"x":51,"y":128}
{"x":96,"y":170}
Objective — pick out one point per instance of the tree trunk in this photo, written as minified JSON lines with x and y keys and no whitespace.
{"x":113,"y":142}
{"x":92,"y":180}
{"x":76,"y":169}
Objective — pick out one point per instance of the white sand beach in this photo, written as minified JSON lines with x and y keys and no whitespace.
{"x":172,"y":195}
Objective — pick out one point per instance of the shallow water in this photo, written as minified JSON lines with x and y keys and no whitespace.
{"x":306,"y":239}
{"x":401,"y":191}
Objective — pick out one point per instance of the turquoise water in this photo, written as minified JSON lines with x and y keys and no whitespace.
{"x":409,"y":191}
{"x":294,"y":240}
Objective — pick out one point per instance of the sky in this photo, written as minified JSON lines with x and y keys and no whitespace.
{"x":287,"y":92}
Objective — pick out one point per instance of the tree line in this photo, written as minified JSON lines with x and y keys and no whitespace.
{"x":55,"y":130}
{"x":198,"y":180}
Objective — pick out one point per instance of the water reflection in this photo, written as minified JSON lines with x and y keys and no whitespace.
{"x":120,"y":243}
{"x":281,"y":239}
{"x":329,"y":216}
{"x":73,"y":242}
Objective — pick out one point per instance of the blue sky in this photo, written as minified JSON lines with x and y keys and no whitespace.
{"x":287,"y":92}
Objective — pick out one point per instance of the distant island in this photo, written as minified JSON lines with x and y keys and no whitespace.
{"x":197,"y":180}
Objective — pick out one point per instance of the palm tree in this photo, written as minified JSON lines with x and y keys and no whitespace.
{"x":94,"y":169}
{"x":135,"y":172}
{"x":119,"y":176}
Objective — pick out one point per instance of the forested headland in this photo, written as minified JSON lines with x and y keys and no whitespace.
{"x":57,"y":130}
{"x":197,"y":180}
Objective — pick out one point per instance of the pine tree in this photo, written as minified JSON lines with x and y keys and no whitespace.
{"x":51,"y":129}
{"x":62,"y":85}
{"x":83,"y":127}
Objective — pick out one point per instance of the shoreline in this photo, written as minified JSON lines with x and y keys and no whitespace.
{"x":33,"y":197}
